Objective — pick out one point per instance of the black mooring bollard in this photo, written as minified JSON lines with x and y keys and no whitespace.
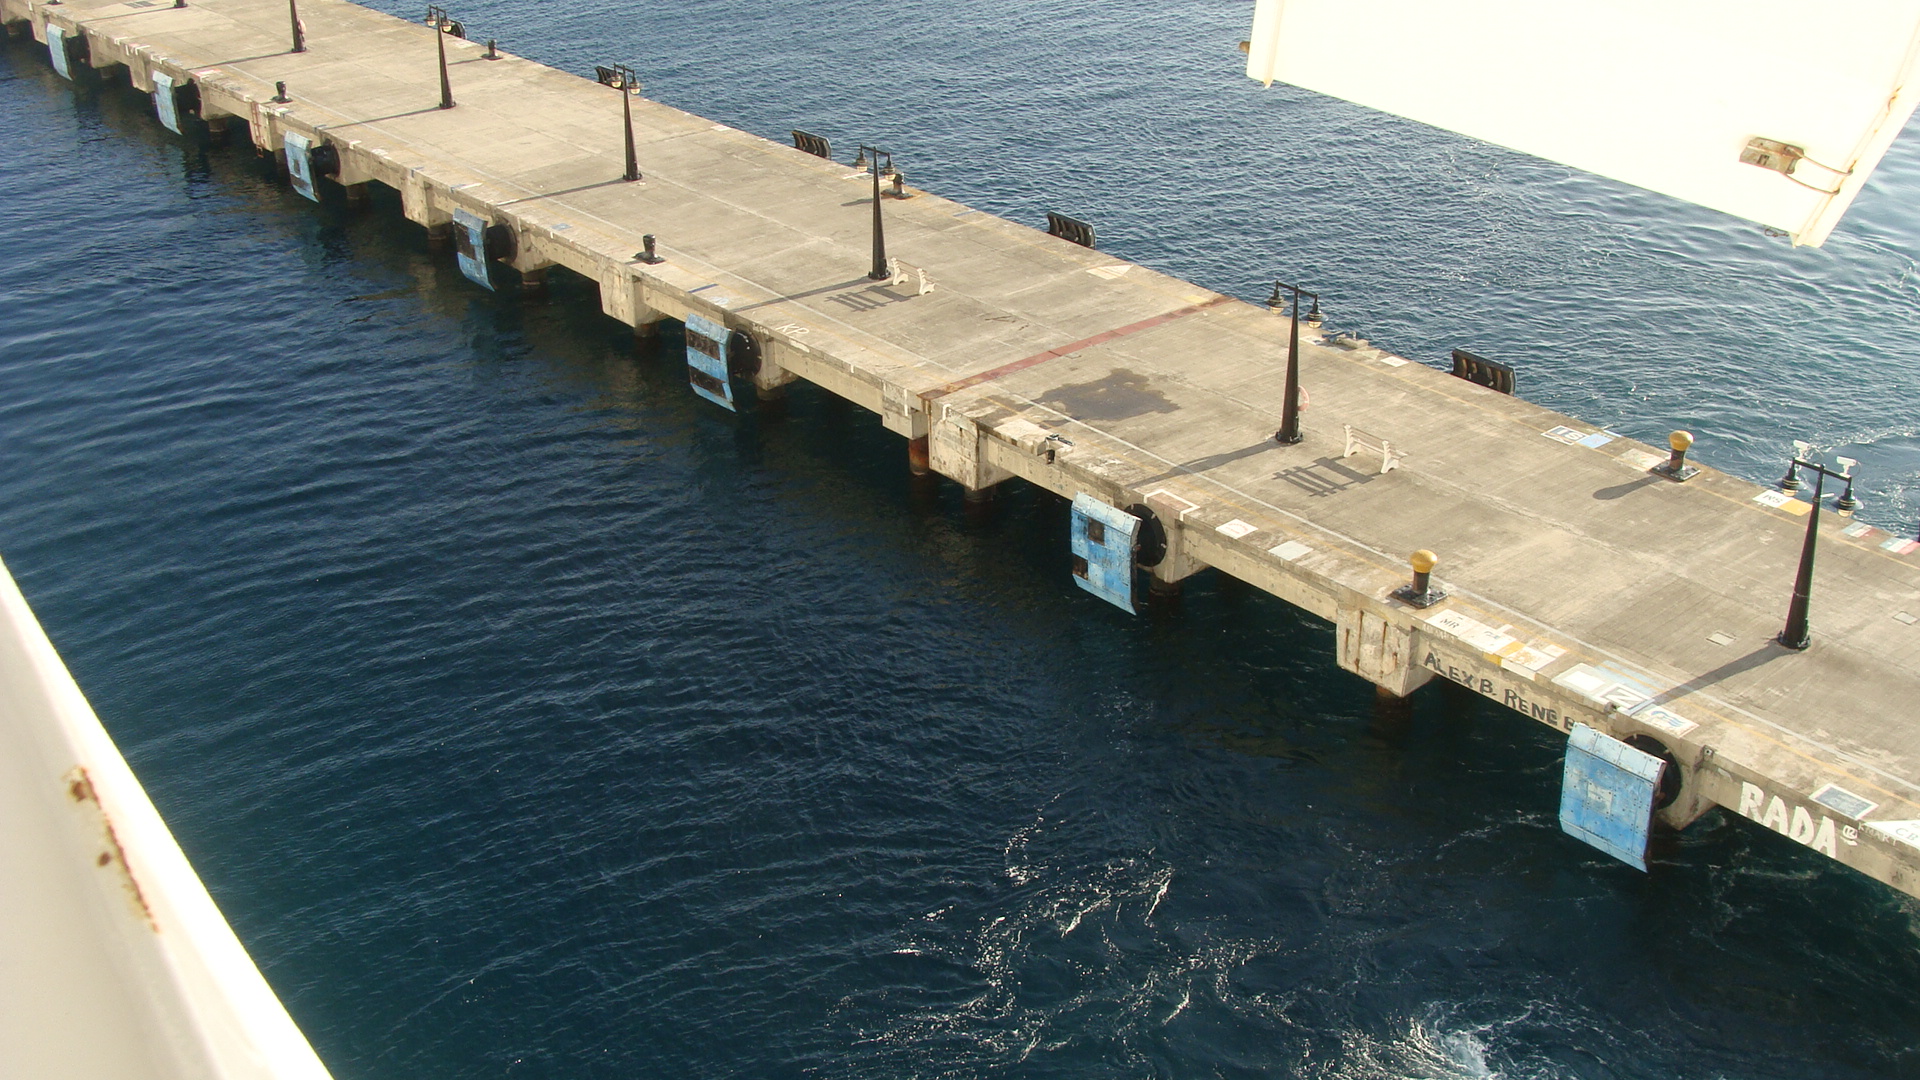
{"x":280,"y":93}
{"x":646,"y":253}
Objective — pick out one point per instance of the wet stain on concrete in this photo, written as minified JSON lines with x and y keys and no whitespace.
{"x":1118,"y":396}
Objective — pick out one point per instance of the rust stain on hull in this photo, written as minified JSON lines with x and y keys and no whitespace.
{"x":80,"y":789}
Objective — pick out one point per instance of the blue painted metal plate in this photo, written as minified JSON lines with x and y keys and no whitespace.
{"x":300,"y":164}
{"x":57,"y":50}
{"x":470,"y":246}
{"x":1606,"y":794}
{"x":164,"y":102}
{"x":707,"y":361}
{"x":1102,"y":541}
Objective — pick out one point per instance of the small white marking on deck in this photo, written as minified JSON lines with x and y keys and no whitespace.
{"x":1185,"y":506}
{"x":1289,"y":551}
{"x":1531,"y":658}
{"x":1456,"y":623}
{"x":1719,"y":638}
{"x":1907,"y":832}
{"x":1236,"y":529}
{"x":1664,"y":718}
{"x":1489,"y":640}
{"x":1839,"y":799}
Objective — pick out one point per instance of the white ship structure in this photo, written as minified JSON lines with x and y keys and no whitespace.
{"x":1776,"y":111}
{"x":114,"y":962}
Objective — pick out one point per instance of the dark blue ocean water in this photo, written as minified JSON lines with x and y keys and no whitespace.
{"x":529,"y":717}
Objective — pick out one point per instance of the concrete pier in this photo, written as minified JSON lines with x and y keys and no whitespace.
{"x":1582,"y":586}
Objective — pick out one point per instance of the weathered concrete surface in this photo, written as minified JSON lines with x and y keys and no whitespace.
{"x":1583,"y":587}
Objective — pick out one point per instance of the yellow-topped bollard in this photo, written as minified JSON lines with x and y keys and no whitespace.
{"x":1421,"y":592}
{"x":1676,"y":467}
{"x":1423,"y":562}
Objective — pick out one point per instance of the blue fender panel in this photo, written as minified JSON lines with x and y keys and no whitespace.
{"x":1102,"y":541}
{"x":1606,"y":794}
{"x":57,"y":50}
{"x":707,"y":361}
{"x":470,"y":246}
{"x":165,"y":104}
{"x":300,"y":163}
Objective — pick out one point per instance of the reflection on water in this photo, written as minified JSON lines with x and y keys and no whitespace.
{"x":530,"y":717}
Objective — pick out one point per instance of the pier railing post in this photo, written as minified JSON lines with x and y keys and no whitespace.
{"x":443,"y":25}
{"x":446,"y":87}
{"x":1289,"y":432}
{"x":626,"y":117}
{"x":871,"y":156}
{"x":621,"y":78}
{"x":1796,"y":634}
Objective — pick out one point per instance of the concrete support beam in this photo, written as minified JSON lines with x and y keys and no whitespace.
{"x":903,"y":412}
{"x":357,"y":167}
{"x":774,"y":376}
{"x":1692,"y":802}
{"x":422,"y":205}
{"x":1379,"y":647}
{"x":1179,"y":563}
{"x":621,"y":296}
{"x":954,"y":451}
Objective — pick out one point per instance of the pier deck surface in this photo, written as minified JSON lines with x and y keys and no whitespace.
{"x":1583,"y":586}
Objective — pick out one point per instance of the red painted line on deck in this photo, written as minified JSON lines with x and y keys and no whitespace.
{"x":1072,"y":347}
